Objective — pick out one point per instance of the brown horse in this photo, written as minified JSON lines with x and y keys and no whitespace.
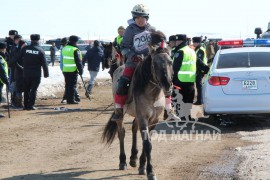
{"x":151,"y":83}
{"x":112,"y":58}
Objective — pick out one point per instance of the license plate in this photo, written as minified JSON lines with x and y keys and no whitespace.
{"x":249,"y":84}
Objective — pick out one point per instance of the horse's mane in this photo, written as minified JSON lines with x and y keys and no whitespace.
{"x":143,"y":72}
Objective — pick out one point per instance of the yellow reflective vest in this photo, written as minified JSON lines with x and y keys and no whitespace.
{"x":187,"y":71}
{"x":204,"y":58}
{"x":3,"y":61}
{"x":119,"y":39}
{"x":69,"y":64}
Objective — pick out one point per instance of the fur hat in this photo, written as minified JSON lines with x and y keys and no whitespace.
{"x":3,"y":45}
{"x":196,"y":39}
{"x":73,"y":39}
{"x":17,"y":36}
{"x":12,"y":32}
{"x":96,"y":43}
{"x":172,"y":38}
{"x":181,"y":37}
{"x":35,"y":37}
{"x":63,"y":41}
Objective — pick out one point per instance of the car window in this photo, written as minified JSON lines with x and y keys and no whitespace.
{"x":238,"y":60}
{"x":82,"y":47}
{"x":260,"y":59}
{"x":46,"y":48}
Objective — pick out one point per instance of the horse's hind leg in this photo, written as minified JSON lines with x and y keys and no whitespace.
{"x":134,"y":149}
{"x":121,"y":137}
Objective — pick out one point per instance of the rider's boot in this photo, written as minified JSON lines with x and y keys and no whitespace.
{"x":169,"y":115}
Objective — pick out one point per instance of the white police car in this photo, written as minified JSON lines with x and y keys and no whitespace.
{"x":239,"y":80}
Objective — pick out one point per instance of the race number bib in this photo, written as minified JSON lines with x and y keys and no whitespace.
{"x":141,"y":41}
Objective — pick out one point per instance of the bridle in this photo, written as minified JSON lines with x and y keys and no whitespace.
{"x":155,"y":81}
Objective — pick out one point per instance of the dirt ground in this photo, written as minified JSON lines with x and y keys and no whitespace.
{"x":54,"y":144}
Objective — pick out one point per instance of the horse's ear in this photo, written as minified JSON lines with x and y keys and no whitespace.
{"x":110,"y":43}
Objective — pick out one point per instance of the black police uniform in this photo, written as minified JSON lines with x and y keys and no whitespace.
{"x":33,"y":58}
{"x":201,"y":69}
{"x":18,"y":73}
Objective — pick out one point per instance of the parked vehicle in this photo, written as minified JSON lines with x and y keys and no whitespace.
{"x":46,"y":48}
{"x":239,"y":79}
{"x":58,"y":42}
{"x":83,"y":48}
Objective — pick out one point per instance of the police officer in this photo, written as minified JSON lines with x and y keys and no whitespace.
{"x":18,"y":74}
{"x":11,"y":64}
{"x":184,"y":67}
{"x":202,"y":67}
{"x":3,"y":69}
{"x":119,"y":38}
{"x":33,"y":58}
{"x":171,"y":46}
{"x":63,"y":43}
{"x":71,"y":66}
{"x":10,"y":41}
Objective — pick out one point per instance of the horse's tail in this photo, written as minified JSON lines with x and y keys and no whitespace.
{"x":109,"y":132}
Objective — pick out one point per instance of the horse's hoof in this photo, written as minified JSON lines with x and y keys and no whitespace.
{"x":123,"y":166}
{"x":133,"y":163}
{"x":151,"y":176}
{"x":142,"y":171}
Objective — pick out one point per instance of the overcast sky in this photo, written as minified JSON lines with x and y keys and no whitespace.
{"x":95,"y":19}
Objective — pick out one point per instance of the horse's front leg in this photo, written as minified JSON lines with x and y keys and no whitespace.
{"x":147,"y":148}
{"x":134,"y":149}
{"x":142,"y":170}
{"x":121,"y":137}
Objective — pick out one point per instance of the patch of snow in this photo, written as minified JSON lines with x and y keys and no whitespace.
{"x":56,"y":83}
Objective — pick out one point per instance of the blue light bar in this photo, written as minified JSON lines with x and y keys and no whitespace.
{"x":262,"y":42}
{"x":256,"y":42}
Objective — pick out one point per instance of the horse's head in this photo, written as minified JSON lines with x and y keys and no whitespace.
{"x":107,"y":54}
{"x":162,"y":70}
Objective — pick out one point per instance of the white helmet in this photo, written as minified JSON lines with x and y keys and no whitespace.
{"x":140,"y":10}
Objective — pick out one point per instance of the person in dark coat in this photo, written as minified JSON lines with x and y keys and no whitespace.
{"x":94,"y":57}
{"x":53,"y":50}
{"x":3,"y":69}
{"x":10,"y":43}
{"x":202,"y":68}
{"x":12,"y":58}
{"x":18,"y":74}
{"x":33,"y":58}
